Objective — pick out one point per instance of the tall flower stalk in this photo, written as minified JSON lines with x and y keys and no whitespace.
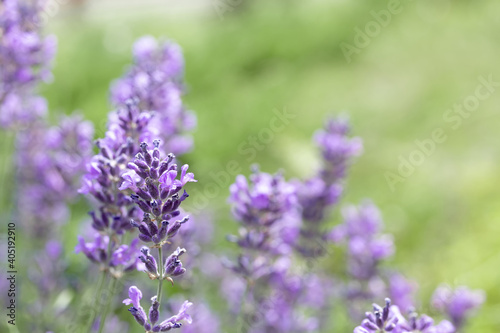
{"x":156,"y":190}
{"x":143,"y":114}
{"x":320,"y":193}
{"x":26,"y":58}
{"x":269,"y":289}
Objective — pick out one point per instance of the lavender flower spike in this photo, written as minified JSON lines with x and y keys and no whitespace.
{"x":322,"y":191}
{"x":155,"y":81}
{"x":25,"y":57}
{"x":148,"y":321}
{"x":390,"y":319}
{"x":366,"y":245}
{"x":457,"y":304}
{"x":266,"y":207}
{"x":380,"y":320}
{"x":155,"y":186}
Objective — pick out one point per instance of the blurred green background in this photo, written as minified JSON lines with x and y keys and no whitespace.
{"x":260,"y":56}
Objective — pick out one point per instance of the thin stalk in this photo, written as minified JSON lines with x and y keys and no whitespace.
{"x":108,"y":304}
{"x":160,"y":279}
{"x":241,"y":314}
{"x":98,"y":291}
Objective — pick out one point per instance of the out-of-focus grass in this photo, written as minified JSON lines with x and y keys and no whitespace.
{"x":274,"y":56}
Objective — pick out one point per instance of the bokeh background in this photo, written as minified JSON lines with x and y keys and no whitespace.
{"x":245,"y":59}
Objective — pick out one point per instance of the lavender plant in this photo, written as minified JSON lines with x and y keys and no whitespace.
{"x":390,"y":319}
{"x":26,"y":61}
{"x":366,"y":247}
{"x":60,"y":154}
{"x":153,"y":181}
{"x":155,"y":82}
{"x":118,"y":176}
{"x":136,"y":186}
{"x":457,"y":304}
{"x":266,"y":207}
{"x":322,"y":192}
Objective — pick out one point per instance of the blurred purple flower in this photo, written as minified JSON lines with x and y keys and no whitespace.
{"x":26,"y":60}
{"x":458,"y":304}
{"x":155,"y":81}
{"x":390,"y":319}
{"x":50,"y":161}
{"x":322,"y":191}
{"x":366,"y":246}
{"x":402,"y":292}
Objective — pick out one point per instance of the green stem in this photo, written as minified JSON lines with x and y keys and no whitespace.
{"x":241,"y":314}
{"x":98,"y":291}
{"x":160,"y":279}
{"x":108,"y":304}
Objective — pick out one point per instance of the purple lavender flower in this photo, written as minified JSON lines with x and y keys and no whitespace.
{"x":153,"y":181}
{"x":58,"y":153}
{"x":123,"y":258}
{"x":105,"y":170}
{"x":149,"y":322}
{"x":48,"y":271}
{"x":457,"y":304}
{"x":267,"y":210}
{"x":322,"y":191}
{"x":266,"y":207}
{"x":366,"y":246}
{"x":137,"y":187}
{"x":155,"y":81}
{"x":25,"y":57}
{"x":204,"y":321}
{"x":402,"y":292}
{"x":390,"y":319}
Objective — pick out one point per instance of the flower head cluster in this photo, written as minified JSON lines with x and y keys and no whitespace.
{"x":320,"y":192}
{"x":105,"y":170}
{"x":390,"y":319}
{"x":25,"y":57}
{"x":457,"y":304}
{"x":156,"y":189}
{"x":266,"y":207}
{"x":155,"y":80}
{"x":402,"y":291}
{"x":268,"y":212}
{"x":150,"y":321}
{"x":171,"y":268}
{"x":366,"y":246}
{"x":122,"y":258}
{"x":58,"y":153}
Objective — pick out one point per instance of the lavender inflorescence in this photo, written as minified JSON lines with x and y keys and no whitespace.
{"x":320,"y":192}
{"x":26,"y":60}
{"x":457,"y":304}
{"x":366,"y":245}
{"x":155,"y":186}
{"x":60,"y":154}
{"x":267,"y":209}
{"x":390,"y":319}
{"x":150,"y":321}
{"x":155,"y":81}
{"x":156,"y":193}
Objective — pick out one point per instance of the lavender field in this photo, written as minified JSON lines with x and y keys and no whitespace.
{"x":249,"y":166}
